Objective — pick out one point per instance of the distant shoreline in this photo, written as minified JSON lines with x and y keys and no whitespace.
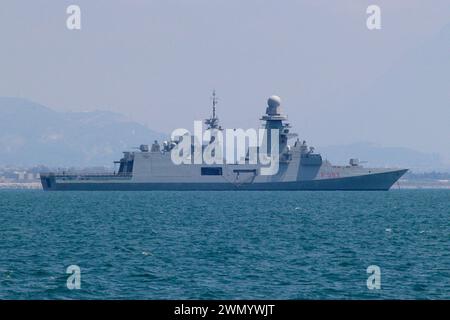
{"x":422,"y":184}
{"x":20,"y":185}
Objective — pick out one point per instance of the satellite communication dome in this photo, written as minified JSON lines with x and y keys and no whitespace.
{"x":274,"y":101}
{"x":273,"y":108}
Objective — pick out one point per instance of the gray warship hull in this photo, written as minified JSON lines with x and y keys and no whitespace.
{"x":297,"y":166}
{"x":377,"y":181}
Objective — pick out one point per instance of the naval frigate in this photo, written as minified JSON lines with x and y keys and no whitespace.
{"x":299,"y":168}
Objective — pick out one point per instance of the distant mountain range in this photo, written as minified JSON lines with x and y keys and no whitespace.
{"x":32,"y":134}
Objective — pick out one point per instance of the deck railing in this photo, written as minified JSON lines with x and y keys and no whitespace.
{"x":82,"y":176}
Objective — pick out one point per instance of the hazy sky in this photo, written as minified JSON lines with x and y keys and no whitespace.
{"x":158,"y":61}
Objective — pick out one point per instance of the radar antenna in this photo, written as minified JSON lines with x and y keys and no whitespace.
{"x":213,"y":122}
{"x":215,"y":100}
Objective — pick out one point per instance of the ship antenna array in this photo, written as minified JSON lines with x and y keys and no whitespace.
{"x":215,"y":100}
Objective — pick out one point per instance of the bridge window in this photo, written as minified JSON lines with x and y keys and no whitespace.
{"x":211,"y":171}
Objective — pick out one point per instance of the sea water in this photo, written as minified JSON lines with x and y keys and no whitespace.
{"x":224,"y":245}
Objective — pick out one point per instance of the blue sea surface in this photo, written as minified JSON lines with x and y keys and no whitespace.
{"x":225,"y":245}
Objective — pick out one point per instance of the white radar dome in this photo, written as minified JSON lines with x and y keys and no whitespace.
{"x":274,"y":101}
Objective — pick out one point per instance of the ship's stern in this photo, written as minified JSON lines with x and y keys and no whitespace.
{"x":48,"y":181}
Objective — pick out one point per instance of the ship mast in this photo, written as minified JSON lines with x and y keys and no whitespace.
{"x":274,"y":120}
{"x":213,"y":122}
{"x":214,"y":101}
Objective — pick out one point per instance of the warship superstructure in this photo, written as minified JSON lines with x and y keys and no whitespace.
{"x":300,"y":168}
